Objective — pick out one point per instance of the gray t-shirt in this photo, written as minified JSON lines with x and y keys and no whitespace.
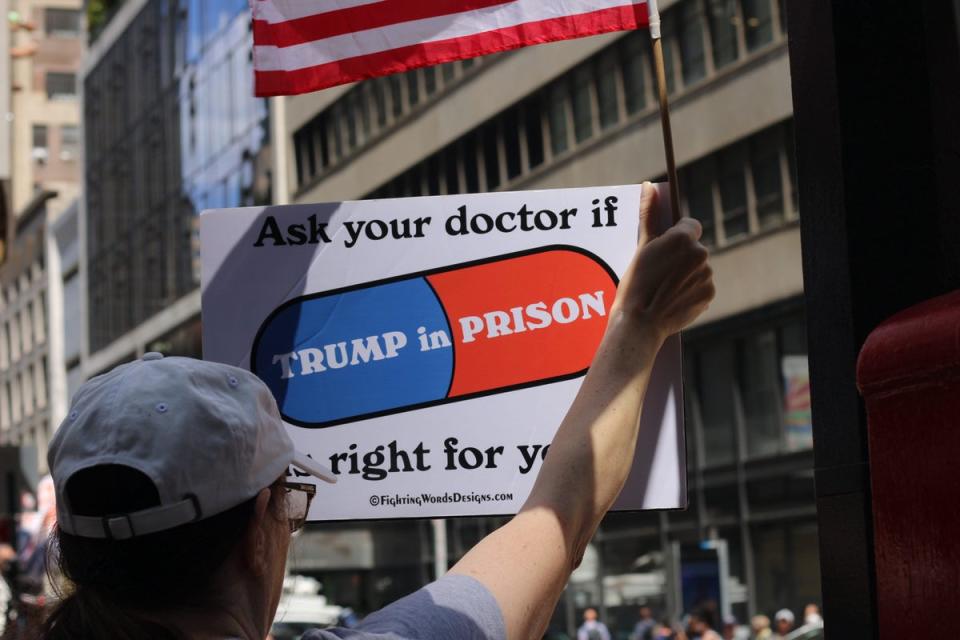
{"x":452,"y":608}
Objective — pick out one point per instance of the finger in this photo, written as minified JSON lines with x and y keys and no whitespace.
{"x":689,"y":226}
{"x":649,"y":214}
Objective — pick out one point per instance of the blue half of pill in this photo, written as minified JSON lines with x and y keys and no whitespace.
{"x":377,"y":386}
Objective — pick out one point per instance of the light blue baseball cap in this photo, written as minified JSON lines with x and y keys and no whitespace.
{"x":208,"y":435}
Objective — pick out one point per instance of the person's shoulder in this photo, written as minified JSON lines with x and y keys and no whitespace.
{"x":455,"y":606}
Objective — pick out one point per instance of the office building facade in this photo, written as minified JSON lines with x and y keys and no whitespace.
{"x":40,"y":144}
{"x":584,"y":113}
{"x":171,"y":128}
{"x":47,"y":44}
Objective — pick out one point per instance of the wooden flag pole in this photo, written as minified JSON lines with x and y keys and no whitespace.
{"x":664,"y":108}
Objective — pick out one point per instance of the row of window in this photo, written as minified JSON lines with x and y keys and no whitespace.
{"x":365,"y":112}
{"x":69,"y":143}
{"x":701,"y":37}
{"x":743,"y":189}
{"x":704,"y":36}
{"x":748,"y":395}
{"x":23,"y":331}
{"x":24,"y":394}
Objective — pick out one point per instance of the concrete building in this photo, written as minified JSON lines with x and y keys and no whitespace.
{"x":65,"y":309}
{"x":40,"y":149}
{"x":40,"y":313}
{"x":584,"y":113}
{"x":48,"y":41}
{"x":171,"y":127}
{"x":24,"y":333}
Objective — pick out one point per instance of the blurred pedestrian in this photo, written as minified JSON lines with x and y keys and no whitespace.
{"x":729,"y":631}
{"x":645,"y":625}
{"x":783,"y":623}
{"x":667,"y":631}
{"x":811,"y":615}
{"x":698,"y":627}
{"x":592,"y":628}
{"x":175,"y":505}
{"x":761,"y":627}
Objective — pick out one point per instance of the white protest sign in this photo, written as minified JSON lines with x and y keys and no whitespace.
{"x":426,"y":349}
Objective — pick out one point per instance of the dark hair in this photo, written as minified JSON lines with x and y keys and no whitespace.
{"x":114,"y":585}
{"x":707,"y":615}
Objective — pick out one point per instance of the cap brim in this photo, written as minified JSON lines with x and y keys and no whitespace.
{"x":314,"y":468}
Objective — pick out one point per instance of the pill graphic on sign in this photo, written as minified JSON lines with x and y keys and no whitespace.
{"x":444,"y":335}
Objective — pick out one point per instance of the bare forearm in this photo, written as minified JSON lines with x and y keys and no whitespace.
{"x":526,"y":563}
{"x":593,"y":450}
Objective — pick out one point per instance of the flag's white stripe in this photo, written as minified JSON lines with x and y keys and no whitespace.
{"x":269,"y":58}
{"x":282,"y":10}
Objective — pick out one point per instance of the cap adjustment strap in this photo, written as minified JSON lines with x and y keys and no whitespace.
{"x":138,"y":523}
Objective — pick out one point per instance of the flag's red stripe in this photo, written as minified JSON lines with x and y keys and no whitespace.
{"x":359,"y":18}
{"x":275,"y":83}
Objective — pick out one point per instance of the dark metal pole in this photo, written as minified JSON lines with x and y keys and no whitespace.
{"x":877,"y":163}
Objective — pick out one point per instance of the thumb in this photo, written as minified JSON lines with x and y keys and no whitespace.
{"x":649,"y":214}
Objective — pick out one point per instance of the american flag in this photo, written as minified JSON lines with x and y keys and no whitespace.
{"x":308,"y":45}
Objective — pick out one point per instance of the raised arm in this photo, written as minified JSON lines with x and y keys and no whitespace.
{"x":526,"y":563}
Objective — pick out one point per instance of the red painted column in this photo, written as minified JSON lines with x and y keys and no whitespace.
{"x":909,"y":374}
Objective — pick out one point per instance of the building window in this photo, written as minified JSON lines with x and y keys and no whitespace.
{"x":430,"y":80}
{"x":733,"y":193}
{"x":792,"y":166}
{"x":758,"y":20}
{"x":69,"y":142}
{"x":448,"y":72}
{"x":433,"y":175}
{"x":491,"y":155}
{"x":760,"y":391}
{"x":413,"y":87}
{"x":533,"y":131}
{"x":61,"y":86}
{"x":698,"y":183}
{"x":451,"y":172}
{"x":582,"y":104}
{"x":723,"y":19}
{"x":470,"y":164}
{"x":767,"y":180}
{"x":511,"y":143}
{"x":303,"y":148}
{"x":634,"y":75}
{"x":756,"y":377}
{"x":693,"y":59}
{"x":61,"y":22}
{"x":715,"y":372}
{"x":557,"y":117}
{"x":608,"y":98}
{"x":41,"y":149}
{"x":395,"y":85}
{"x":669,"y":42}
{"x":380,"y":101}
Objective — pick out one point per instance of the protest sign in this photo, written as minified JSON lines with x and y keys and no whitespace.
{"x":427,"y":349}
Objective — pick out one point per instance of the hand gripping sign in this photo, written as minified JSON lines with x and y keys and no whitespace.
{"x":426,"y":349}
